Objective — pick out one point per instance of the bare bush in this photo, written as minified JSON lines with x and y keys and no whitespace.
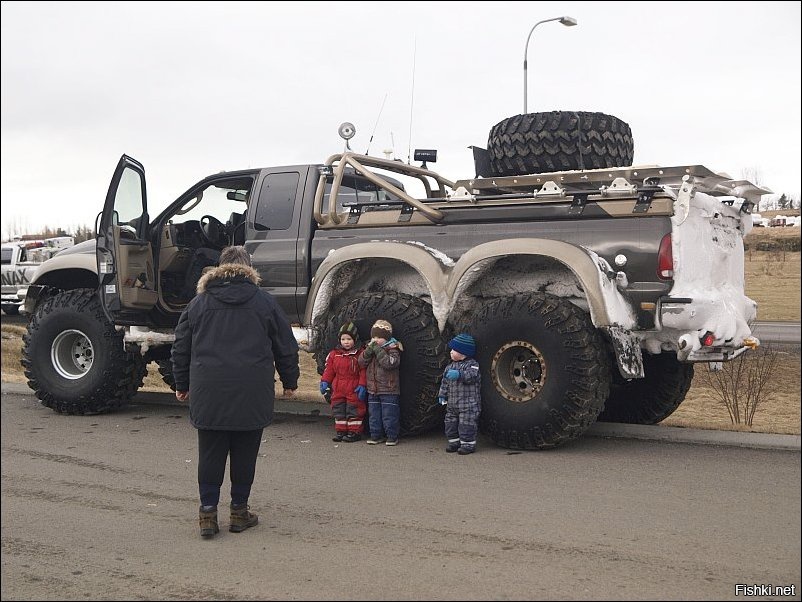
{"x":743,"y":383}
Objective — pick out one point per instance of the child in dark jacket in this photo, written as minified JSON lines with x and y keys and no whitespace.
{"x":344,"y":377}
{"x":382,"y":358}
{"x":460,"y":391}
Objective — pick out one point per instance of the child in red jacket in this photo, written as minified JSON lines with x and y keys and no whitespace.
{"x":346,"y":380}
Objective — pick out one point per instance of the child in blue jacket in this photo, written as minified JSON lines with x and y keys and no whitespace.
{"x":460,"y":391}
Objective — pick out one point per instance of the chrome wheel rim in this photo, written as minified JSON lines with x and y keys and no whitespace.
{"x":72,"y":354}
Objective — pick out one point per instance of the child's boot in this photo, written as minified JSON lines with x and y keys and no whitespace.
{"x":453,"y":445}
{"x":465,"y":449}
{"x":207,"y":518}
{"x":241,"y":518}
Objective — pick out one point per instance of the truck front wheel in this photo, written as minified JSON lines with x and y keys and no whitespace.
{"x":423,"y":357}
{"x":653,"y":398}
{"x":545,"y":370}
{"x":74,"y":357}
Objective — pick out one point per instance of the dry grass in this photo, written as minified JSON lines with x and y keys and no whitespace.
{"x":773,"y":277}
{"x":778,"y":412}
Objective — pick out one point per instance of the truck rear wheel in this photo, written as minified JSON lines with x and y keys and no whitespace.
{"x":545,"y":370}
{"x":74,"y":357}
{"x":422,"y":360}
{"x":653,"y":398}
{"x":558,"y":141}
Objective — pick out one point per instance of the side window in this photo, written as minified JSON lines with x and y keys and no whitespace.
{"x":357,"y":190}
{"x":128,"y":204}
{"x":346,"y":194}
{"x":277,"y":200}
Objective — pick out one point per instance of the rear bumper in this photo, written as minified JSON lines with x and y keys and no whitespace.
{"x":682,"y":322}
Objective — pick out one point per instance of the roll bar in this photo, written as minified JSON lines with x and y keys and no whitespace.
{"x":336,"y":165}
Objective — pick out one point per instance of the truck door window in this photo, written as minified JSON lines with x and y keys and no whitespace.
{"x":277,"y":200}
{"x":7,"y":255}
{"x":128,"y":205}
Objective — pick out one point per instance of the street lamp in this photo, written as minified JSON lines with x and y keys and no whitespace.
{"x":567,"y":21}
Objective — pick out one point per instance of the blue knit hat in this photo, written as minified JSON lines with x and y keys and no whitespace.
{"x":464,"y":344}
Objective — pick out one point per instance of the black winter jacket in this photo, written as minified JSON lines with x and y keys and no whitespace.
{"x":226,"y":343}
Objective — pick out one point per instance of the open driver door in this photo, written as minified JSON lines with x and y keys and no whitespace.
{"x":124,"y":252}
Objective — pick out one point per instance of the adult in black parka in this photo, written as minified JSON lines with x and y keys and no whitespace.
{"x":226,"y":344}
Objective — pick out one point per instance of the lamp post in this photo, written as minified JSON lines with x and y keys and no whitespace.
{"x":567,"y":21}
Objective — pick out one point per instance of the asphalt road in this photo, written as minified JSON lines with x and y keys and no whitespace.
{"x":104,"y":507}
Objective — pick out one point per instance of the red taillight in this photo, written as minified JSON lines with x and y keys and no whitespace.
{"x":707,"y":339}
{"x":665,"y":259}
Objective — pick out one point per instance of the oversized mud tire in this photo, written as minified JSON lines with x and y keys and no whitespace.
{"x":74,"y":357}
{"x":422,"y":360}
{"x":545,"y":370}
{"x":653,"y":398}
{"x":166,"y":371}
{"x":558,"y":141}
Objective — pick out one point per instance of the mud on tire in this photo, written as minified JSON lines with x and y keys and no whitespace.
{"x":653,"y":398}
{"x":74,"y":358}
{"x":557,"y":141}
{"x":545,"y":370}
{"x":422,"y":360}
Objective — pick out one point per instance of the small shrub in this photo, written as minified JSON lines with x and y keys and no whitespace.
{"x":743,"y":383}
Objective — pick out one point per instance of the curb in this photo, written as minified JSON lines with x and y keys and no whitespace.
{"x":670,"y":434}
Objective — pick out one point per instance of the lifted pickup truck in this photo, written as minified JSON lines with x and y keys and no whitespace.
{"x":591,"y":293}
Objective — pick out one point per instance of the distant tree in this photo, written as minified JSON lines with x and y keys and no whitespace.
{"x":83,"y":233}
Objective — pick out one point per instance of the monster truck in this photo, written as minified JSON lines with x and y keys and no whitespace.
{"x":591,"y":292}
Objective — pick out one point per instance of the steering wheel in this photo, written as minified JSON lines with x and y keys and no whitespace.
{"x":213,"y":232}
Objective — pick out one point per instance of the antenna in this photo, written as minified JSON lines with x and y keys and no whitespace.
{"x":376,"y":124}
{"x":412,"y":98}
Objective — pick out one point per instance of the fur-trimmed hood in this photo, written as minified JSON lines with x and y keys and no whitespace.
{"x":228,"y":271}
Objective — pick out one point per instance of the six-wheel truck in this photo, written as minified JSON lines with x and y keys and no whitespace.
{"x":592,"y":287}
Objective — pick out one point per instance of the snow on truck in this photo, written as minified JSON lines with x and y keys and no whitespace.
{"x":592,"y":287}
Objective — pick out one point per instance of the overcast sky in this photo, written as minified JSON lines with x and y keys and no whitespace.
{"x":190,"y":89}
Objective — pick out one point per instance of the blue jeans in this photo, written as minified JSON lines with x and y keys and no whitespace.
{"x":384,"y":416}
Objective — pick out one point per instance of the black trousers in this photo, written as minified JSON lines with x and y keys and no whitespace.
{"x":214,"y":448}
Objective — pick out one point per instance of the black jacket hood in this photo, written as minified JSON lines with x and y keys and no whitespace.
{"x":230,"y":283}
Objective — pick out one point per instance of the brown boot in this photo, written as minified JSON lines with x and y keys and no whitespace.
{"x":241,"y":518}
{"x":208,"y":522}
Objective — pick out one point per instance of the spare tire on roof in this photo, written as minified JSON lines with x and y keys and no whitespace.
{"x":558,"y":141}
